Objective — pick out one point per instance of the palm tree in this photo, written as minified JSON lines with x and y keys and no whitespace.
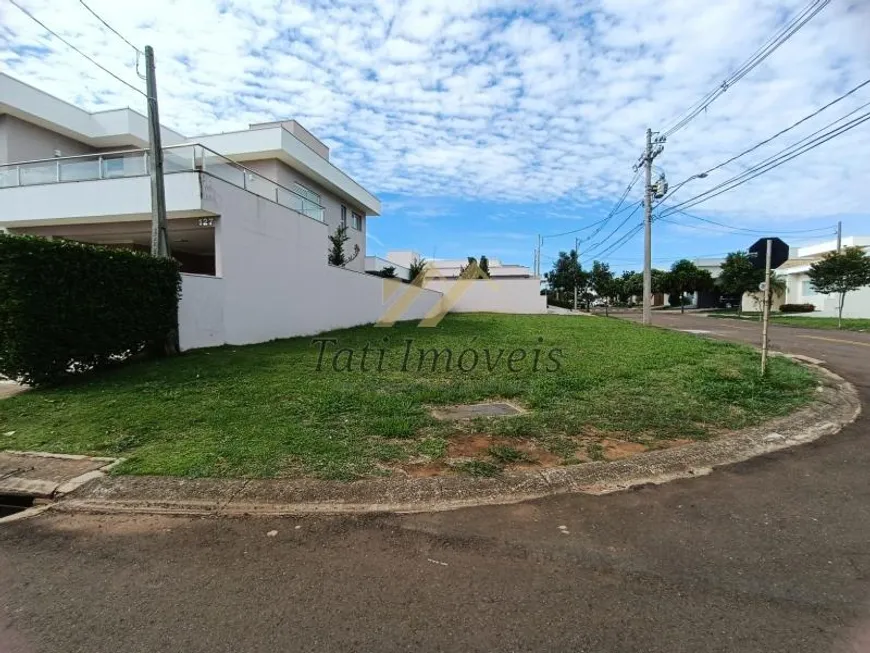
{"x":417,"y":270}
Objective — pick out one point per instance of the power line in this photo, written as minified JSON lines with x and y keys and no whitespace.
{"x":766,"y":49}
{"x":744,"y":229}
{"x":614,"y":211}
{"x":616,"y":246}
{"x":594,"y":249}
{"x":772,"y":162}
{"x":71,"y":46}
{"x":112,"y":29}
{"x":783,"y":131}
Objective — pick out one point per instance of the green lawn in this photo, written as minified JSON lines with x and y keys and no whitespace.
{"x":265,"y":410}
{"x":803,"y":321}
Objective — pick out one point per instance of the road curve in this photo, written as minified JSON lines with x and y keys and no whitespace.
{"x":767,"y":555}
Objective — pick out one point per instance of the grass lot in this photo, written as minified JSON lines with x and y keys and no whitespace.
{"x":802,"y":321}
{"x":265,"y":410}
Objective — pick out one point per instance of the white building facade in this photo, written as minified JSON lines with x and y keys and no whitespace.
{"x":799,"y":290}
{"x":248,"y":213}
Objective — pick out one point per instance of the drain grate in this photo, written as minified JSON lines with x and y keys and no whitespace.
{"x":11,"y":504}
{"x":469,"y":411}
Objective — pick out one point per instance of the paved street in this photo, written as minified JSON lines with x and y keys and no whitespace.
{"x":769,"y":555}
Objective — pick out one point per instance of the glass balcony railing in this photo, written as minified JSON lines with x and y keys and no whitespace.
{"x":134,"y":163}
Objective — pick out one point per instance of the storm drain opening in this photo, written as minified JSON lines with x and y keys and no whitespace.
{"x":11,"y":504}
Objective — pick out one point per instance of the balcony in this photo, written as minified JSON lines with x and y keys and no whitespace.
{"x":115,"y":185}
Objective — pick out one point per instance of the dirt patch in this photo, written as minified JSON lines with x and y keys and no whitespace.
{"x":618,"y":449}
{"x":511,"y":454}
{"x":425,"y":470}
{"x":472,"y":446}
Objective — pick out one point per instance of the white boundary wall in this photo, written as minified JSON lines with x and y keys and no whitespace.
{"x":491,"y":295}
{"x":273,"y":280}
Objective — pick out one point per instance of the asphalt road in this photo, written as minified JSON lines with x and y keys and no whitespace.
{"x":769,"y":555}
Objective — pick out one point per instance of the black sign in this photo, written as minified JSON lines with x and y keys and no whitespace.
{"x":778,"y":253}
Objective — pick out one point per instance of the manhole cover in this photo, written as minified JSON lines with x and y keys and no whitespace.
{"x":467,"y":411}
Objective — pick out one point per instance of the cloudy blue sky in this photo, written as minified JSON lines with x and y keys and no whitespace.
{"x":483,"y":123}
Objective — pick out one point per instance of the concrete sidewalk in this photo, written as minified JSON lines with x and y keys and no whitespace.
{"x":45,"y":475}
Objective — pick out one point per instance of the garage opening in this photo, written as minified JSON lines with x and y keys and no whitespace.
{"x":192,"y":240}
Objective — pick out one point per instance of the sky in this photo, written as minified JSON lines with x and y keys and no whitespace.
{"x":481,"y":124}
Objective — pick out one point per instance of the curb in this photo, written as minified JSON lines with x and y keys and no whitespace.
{"x":837,"y":405}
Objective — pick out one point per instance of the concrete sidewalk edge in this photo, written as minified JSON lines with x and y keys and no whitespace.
{"x":837,"y":405}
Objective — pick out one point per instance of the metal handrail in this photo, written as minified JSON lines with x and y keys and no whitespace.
{"x":99,"y":156}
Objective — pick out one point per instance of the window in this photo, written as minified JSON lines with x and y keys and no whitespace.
{"x":343,"y":215}
{"x":807,"y":289}
{"x":357,"y":221}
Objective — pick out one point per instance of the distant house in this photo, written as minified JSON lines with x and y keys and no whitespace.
{"x":799,"y":290}
{"x":511,"y":288}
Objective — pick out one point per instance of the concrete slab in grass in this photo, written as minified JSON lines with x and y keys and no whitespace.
{"x":470,"y":411}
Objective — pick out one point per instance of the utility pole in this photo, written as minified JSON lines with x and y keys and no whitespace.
{"x":577,"y":255}
{"x":839,"y":235}
{"x":159,"y":230}
{"x":648,"y":156}
{"x":766,"y":310}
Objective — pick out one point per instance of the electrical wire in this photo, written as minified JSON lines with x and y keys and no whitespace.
{"x":784,"y":156}
{"x":619,"y":244}
{"x":614,"y":211}
{"x":731,"y":228}
{"x":112,"y":29}
{"x":780,"y":133}
{"x":593,"y":251}
{"x":766,"y":49}
{"x":71,"y":46}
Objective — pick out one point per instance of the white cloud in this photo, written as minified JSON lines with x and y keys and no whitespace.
{"x":480,"y":99}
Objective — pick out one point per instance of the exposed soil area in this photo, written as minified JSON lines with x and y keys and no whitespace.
{"x":500,"y":453}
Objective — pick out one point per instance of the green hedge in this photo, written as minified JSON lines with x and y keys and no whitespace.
{"x":66,"y":307}
{"x":797,"y":308}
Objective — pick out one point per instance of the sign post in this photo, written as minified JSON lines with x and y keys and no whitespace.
{"x":765,"y":288}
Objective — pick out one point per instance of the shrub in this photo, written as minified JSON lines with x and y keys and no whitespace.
{"x":797,"y":308}
{"x":66,"y":307}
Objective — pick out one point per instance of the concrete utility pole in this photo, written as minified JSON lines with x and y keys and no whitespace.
{"x":839,"y":235}
{"x":647,"y":230}
{"x":766,"y":309}
{"x":577,"y":254}
{"x":159,"y":230}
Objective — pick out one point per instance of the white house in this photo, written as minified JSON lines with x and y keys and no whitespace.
{"x":799,"y":289}
{"x":510,"y":288}
{"x":248,"y":215}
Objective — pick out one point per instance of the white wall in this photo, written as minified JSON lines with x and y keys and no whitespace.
{"x":755,"y":301}
{"x":201,"y":312}
{"x":857,"y":302}
{"x":123,"y":198}
{"x":275,"y":280}
{"x":281,"y":173}
{"x":491,"y":295}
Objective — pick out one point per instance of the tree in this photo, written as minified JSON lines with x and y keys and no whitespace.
{"x":388,"y":272}
{"x":484,"y":265}
{"x":473,"y":270}
{"x":601,"y":281}
{"x":336,"y":255}
{"x":840,"y":273}
{"x":566,"y":275}
{"x":739,"y":276}
{"x":417,"y":271}
{"x":686,"y":277}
